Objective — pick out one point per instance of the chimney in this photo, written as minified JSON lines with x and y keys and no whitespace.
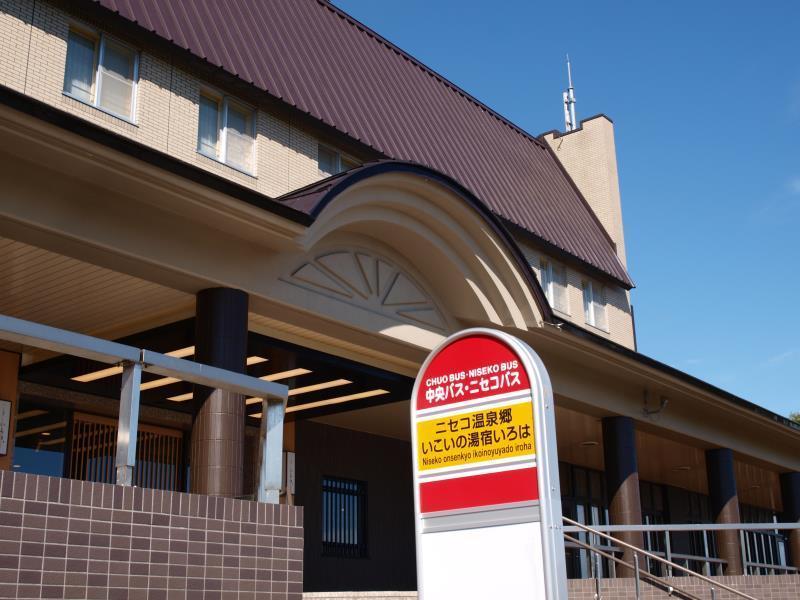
{"x":589,"y":155}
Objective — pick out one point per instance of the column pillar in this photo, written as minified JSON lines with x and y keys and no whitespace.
{"x":9,"y":385}
{"x":790,"y":494}
{"x":724,"y":504}
{"x":217,"y":444}
{"x":622,"y":482}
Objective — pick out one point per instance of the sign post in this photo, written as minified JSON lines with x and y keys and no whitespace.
{"x":486,"y":487}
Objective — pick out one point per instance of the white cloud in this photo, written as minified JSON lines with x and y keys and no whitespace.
{"x":794,"y":185}
{"x":780,"y":358}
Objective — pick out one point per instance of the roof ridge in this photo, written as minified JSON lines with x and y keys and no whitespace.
{"x":421,"y":65}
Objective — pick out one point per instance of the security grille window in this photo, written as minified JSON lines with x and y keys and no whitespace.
{"x":102,"y":73}
{"x":330,"y":162}
{"x":226,"y":132}
{"x":594,"y":305}
{"x":344,"y":518}
{"x":554,"y":284}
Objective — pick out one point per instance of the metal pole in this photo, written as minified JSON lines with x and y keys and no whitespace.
{"x":713,"y":594}
{"x":668,"y":553}
{"x":127,"y":428}
{"x":744,"y":549}
{"x":270,"y":474}
{"x":636,"y":574}
{"x":597,"y":576}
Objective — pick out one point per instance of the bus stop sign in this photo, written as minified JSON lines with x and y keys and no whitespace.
{"x":486,"y":488}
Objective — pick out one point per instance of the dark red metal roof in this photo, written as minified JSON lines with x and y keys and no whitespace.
{"x":317,"y":58}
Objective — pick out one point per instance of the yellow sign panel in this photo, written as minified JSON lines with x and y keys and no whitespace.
{"x":477,"y":436}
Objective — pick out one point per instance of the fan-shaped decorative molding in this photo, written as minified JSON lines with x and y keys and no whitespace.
{"x":370,"y":282}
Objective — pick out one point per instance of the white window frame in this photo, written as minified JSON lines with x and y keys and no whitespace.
{"x":340,"y":157}
{"x":594,"y":294}
{"x":99,"y":39}
{"x":223,"y":103}
{"x":548,"y":283}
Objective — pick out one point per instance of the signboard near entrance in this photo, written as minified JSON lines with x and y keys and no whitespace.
{"x":486,"y":489}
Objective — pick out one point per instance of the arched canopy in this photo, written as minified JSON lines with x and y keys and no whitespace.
{"x":433,"y":228}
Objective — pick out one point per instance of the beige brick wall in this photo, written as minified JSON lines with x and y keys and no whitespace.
{"x":590,"y":157}
{"x":774,"y":587}
{"x":33,"y":46}
{"x":15,"y":34}
{"x":618,"y":309}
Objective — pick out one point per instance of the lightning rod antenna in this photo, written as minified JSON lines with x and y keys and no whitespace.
{"x":570,"y":122}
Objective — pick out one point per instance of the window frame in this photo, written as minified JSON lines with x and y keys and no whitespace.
{"x":340,"y":158}
{"x":99,"y":39}
{"x":547,"y":280}
{"x":224,"y":101}
{"x":591,"y":300}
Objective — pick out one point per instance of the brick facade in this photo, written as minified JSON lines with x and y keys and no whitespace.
{"x":33,"y":44}
{"x":61,"y":538}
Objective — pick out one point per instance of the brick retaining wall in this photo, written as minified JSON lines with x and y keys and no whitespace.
{"x":61,"y":538}
{"x":778,"y":587}
{"x":775,"y":587}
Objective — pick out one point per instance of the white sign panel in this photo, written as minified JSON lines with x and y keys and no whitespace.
{"x":486,"y":487}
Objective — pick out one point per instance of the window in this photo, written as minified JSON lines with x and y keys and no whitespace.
{"x":330,"y":162}
{"x":594,"y":305}
{"x":583,"y":499}
{"x":101,"y":72}
{"x":554,"y":285}
{"x":226,"y":132}
{"x":344,"y":518}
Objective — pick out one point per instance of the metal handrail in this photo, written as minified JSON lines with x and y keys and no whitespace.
{"x":771,"y":530}
{"x":634,"y":567}
{"x":652,"y":556}
{"x":688,"y":527}
{"x":133,"y":361}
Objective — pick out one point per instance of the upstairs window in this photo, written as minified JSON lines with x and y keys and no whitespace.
{"x":101,"y":72}
{"x":226,"y":132}
{"x":330,"y":162}
{"x":344,"y":518}
{"x":554,"y":285}
{"x":594,"y":305}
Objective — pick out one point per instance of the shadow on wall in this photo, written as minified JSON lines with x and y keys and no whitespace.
{"x":379,"y":466}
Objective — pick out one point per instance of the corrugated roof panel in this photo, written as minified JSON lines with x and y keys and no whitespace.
{"x":313,"y":56}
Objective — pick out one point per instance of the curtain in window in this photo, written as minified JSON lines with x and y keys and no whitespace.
{"x":328,"y":161}
{"x":599,"y":302}
{"x":208,"y":128}
{"x":79,"y":72}
{"x":239,"y":139}
{"x":545,"y":280}
{"x":116,"y":79}
{"x":560,"y":301}
{"x":587,"y":303}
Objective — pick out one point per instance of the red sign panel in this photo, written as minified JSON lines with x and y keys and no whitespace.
{"x":474,"y":428}
{"x":471,"y":368}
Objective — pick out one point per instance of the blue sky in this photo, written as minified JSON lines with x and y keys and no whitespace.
{"x":705,"y":97}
